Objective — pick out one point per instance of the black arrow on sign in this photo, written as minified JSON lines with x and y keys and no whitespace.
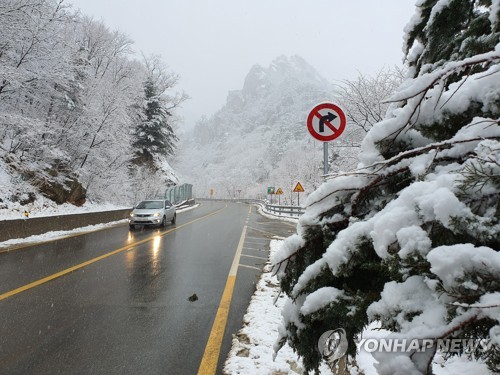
{"x":329,"y":117}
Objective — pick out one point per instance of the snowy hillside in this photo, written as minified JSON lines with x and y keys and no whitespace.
{"x":81,"y":119}
{"x":259,"y":138}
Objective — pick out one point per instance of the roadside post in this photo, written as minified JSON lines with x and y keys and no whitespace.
{"x":325,"y":123}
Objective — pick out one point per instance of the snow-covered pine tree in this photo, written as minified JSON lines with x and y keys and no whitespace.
{"x":153,"y":135}
{"x":412,"y":237}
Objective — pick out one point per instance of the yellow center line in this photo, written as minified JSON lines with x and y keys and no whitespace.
{"x":99,"y":258}
{"x":208,"y":365}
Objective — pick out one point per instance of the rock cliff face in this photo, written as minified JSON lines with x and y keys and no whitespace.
{"x":243,"y":143}
{"x":24,"y":183}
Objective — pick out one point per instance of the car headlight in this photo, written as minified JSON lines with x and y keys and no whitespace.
{"x":156,"y":214}
{"x":131,"y":214}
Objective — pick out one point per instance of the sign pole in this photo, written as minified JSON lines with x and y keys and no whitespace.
{"x":325,"y":158}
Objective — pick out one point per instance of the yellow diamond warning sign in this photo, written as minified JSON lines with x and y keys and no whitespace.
{"x":298,"y":188}
{"x":279,"y":191}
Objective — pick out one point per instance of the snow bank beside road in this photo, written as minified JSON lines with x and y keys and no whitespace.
{"x":252,"y":349}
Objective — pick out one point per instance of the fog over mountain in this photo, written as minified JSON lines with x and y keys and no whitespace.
{"x":259,"y":138}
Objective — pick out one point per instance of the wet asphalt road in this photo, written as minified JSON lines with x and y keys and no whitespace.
{"x":128,"y":312}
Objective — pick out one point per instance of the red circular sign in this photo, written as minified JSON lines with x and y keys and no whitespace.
{"x":326,"y":122}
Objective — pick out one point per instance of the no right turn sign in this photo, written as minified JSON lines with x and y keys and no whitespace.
{"x":326,"y":122}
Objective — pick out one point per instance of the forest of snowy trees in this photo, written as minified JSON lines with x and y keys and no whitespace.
{"x":81,"y":116}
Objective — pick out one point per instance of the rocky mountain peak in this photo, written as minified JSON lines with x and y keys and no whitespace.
{"x":283,"y":70}
{"x":261,"y":126}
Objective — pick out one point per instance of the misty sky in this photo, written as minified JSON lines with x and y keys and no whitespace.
{"x":213,"y":44}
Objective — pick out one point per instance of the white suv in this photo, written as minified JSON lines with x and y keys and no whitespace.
{"x":152,"y":212}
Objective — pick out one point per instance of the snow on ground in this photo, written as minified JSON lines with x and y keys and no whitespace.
{"x":252,"y":348}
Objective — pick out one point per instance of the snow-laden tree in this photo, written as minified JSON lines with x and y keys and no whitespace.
{"x":33,"y":71}
{"x":95,"y":125}
{"x":32,"y":47}
{"x":364,"y":101}
{"x":411,"y":239}
{"x":365,"y":98}
{"x":154,"y":135}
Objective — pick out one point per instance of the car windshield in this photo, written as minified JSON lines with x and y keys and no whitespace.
{"x":150,"y":204}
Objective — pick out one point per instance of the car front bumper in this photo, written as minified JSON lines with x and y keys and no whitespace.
{"x":144,"y":220}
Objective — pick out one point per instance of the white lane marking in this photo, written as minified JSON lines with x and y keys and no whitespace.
{"x":236,"y":260}
{"x":253,"y":256}
{"x":253,"y":248}
{"x":251,"y":267}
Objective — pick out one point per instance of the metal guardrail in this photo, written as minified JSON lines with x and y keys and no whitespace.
{"x":284,"y":211}
{"x":179,"y":193}
{"x":293,"y":211}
